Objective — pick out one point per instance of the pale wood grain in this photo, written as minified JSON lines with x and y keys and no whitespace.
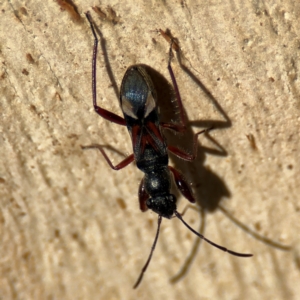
{"x":65,"y":234}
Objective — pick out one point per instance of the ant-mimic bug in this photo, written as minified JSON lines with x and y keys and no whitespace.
{"x":138,"y":101}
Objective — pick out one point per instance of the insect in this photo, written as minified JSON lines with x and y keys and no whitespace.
{"x":138,"y":101}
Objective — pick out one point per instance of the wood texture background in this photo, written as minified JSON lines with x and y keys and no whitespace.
{"x":71,"y":227}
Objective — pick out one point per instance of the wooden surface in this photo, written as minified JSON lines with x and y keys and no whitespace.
{"x":71,"y":227}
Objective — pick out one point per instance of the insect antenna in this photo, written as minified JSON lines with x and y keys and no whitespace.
{"x":150,"y":255}
{"x":178,"y":215}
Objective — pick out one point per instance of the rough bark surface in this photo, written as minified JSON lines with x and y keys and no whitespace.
{"x":71,"y":227}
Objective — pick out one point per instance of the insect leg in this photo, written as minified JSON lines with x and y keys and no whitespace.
{"x":125,"y":162}
{"x":184,"y":155}
{"x":143,"y":196}
{"x":181,"y":127}
{"x":182,"y":185}
{"x":100,"y":111}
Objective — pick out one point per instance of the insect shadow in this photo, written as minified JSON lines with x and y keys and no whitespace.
{"x":209,"y":189}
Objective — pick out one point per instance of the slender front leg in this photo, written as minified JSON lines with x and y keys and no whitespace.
{"x":125,"y":162}
{"x":100,"y":111}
